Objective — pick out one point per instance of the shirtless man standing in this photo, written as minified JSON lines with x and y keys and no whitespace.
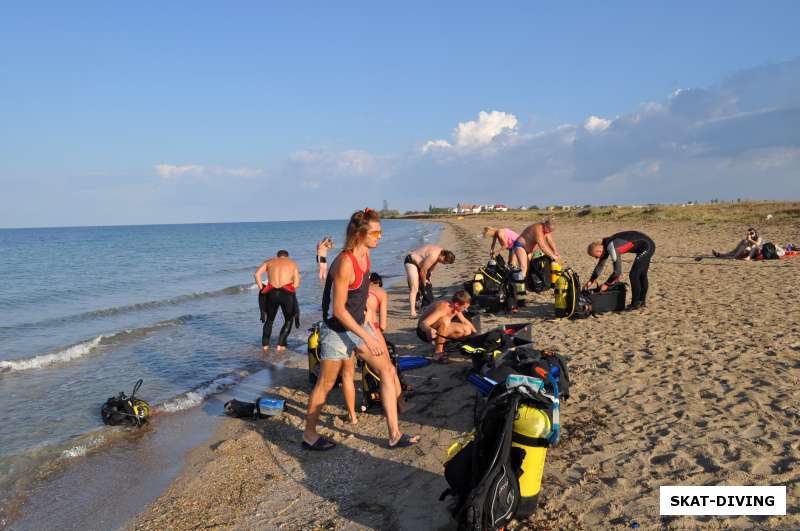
{"x":436,"y":322}
{"x":419,"y":265}
{"x":283,"y":279}
{"x":538,"y":234}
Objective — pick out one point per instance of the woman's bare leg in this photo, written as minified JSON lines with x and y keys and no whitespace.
{"x":412,"y":278}
{"x":349,"y":388}
{"x":329,"y":370}
{"x":385,"y":370}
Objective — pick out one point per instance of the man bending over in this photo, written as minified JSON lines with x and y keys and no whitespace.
{"x":445,"y":320}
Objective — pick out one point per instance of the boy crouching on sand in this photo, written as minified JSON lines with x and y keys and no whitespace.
{"x":436,"y":322}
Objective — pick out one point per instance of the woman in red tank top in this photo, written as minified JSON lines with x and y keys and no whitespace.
{"x":344,"y":332}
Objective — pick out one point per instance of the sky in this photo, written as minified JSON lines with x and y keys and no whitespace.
{"x":181,"y":112}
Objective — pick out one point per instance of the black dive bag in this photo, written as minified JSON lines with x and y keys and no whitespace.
{"x":769,"y":251}
{"x":539,"y":276}
{"x":612,"y":300}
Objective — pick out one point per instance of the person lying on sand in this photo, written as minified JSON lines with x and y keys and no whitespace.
{"x":436,"y":323}
{"x":614,"y":247}
{"x":345,"y":332}
{"x":419,"y":265}
{"x":747,"y":249}
{"x":283,"y":279}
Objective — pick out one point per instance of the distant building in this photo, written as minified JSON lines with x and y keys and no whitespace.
{"x":468,"y":208}
{"x":500,"y":208}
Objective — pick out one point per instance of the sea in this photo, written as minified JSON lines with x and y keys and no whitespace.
{"x":85,"y":312}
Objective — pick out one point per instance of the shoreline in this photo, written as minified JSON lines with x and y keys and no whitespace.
{"x":658,"y":399}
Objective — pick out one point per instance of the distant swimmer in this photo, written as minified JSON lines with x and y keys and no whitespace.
{"x":323,"y":246}
{"x":345,"y":331}
{"x":614,"y":247}
{"x":283,"y":279}
{"x":505,"y":237}
{"x":445,"y":320}
{"x":419,"y":265}
{"x":537,"y":235}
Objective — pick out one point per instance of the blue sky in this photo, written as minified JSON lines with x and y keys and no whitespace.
{"x":211,"y":111}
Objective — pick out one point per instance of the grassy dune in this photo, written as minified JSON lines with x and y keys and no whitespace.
{"x":744,"y":212}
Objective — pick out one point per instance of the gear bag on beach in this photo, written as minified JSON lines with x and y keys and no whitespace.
{"x":371,"y":382}
{"x":491,"y":288}
{"x":611,"y":300}
{"x":769,"y":251}
{"x":539,"y":276}
{"x":124,"y":411}
{"x":261,"y":408}
{"x":496,"y":473}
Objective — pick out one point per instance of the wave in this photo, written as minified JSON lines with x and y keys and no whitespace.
{"x":196,"y":396}
{"x":80,"y":450}
{"x":107,"y":312}
{"x":84,"y":348}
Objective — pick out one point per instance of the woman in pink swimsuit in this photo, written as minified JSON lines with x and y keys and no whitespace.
{"x":506,"y":237}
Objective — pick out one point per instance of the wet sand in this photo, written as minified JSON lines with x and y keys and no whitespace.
{"x":700,"y":388}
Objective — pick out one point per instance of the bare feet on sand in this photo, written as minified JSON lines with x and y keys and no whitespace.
{"x":265,"y":348}
{"x":280,"y":347}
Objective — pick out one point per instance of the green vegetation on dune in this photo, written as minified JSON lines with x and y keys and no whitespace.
{"x":746,"y":212}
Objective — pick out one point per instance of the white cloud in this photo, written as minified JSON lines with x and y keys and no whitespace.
{"x":174,"y":172}
{"x":595,"y":124}
{"x":488,"y":126}
{"x":324,"y":164}
{"x":477,"y":133}
{"x":435,"y":144}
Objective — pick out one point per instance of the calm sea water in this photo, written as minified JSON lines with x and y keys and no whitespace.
{"x":85,"y":312}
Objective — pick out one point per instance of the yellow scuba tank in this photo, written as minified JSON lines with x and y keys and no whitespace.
{"x":140,"y":408}
{"x":477,"y":284}
{"x":531,"y":428}
{"x":560,"y":287}
{"x":313,"y":353}
{"x":555,"y":272}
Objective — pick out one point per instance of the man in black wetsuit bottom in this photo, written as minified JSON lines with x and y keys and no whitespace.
{"x":614,"y":247}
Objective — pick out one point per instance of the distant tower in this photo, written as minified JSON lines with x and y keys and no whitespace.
{"x":385,"y":205}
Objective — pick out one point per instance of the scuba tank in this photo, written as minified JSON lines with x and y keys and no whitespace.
{"x":477,"y":284}
{"x":518,"y":285}
{"x":555,"y":272}
{"x":560,"y":287}
{"x":313,"y":353}
{"x":531,"y":428}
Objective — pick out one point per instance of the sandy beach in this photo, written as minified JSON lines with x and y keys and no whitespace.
{"x":700,"y":388}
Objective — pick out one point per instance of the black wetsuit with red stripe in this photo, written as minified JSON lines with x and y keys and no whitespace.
{"x":628,"y":242}
{"x":357,"y":293}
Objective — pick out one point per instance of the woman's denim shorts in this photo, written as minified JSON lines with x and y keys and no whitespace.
{"x":339,"y":346}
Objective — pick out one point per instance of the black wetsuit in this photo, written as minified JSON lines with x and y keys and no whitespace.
{"x":628,"y":242}
{"x":269,"y":302}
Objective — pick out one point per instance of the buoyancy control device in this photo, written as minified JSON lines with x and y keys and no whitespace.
{"x":121,"y":410}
